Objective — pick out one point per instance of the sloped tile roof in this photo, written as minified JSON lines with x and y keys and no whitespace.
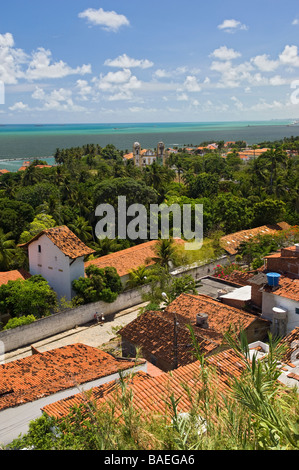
{"x":7,"y":276}
{"x":130,"y":258}
{"x":288,"y":288}
{"x":65,"y":240}
{"x":291,"y":342}
{"x":231,"y":242}
{"x":154,"y":333}
{"x":221,"y":317}
{"x":151,"y":394}
{"x":44,"y":374}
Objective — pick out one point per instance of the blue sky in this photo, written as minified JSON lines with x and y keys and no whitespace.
{"x":151,"y":61}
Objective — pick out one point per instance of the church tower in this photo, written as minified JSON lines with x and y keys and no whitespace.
{"x":137,"y":154}
{"x":161,"y":155}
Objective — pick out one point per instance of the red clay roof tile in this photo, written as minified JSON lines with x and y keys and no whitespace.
{"x":131,"y":258}
{"x":65,"y":240}
{"x":44,"y":374}
{"x":231,"y":242}
{"x":7,"y":276}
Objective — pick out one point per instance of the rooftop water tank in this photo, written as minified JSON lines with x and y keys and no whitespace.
{"x":273,"y":279}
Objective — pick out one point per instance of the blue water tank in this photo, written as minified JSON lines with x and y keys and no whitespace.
{"x":273,"y":279}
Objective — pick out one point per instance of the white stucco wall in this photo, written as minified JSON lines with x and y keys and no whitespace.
{"x":271,"y":300}
{"x":54,"y":266}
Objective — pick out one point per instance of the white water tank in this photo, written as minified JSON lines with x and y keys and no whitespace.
{"x":279,"y":321}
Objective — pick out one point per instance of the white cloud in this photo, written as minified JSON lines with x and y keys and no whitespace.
{"x":263,"y":105}
{"x":84,"y":89}
{"x":191,"y":84}
{"x":11,"y":60}
{"x":182,"y":97}
{"x":237,"y":102}
{"x":224,"y":53}
{"x":277,"y":80}
{"x":57,"y":100}
{"x":181,"y":70}
{"x":263,"y":63}
{"x":6,"y":40}
{"x":41,"y":67}
{"x":123,"y":61}
{"x":230,"y":26}
{"x":231,"y":76}
{"x":19,"y":106}
{"x":295,"y":22}
{"x":109,"y":20}
{"x":289,"y":56}
{"x":120,"y":84}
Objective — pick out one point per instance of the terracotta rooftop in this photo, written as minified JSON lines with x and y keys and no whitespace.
{"x":7,"y":276}
{"x":231,"y":242}
{"x":291,"y":341}
{"x":65,"y":240}
{"x":130,"y":258}
{"x":154,"y":333}
{"x":221,"y":317}
{"x":152,"y":394}
{"x":44,"y":374}
{"x":287,"y":287}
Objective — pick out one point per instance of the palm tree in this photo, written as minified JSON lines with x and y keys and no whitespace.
{"x":82,"y":229}
{"x":138,"y":277}
{"x":166,"y":253}
{"x":105,"y":246}
{"x":7,"y":250}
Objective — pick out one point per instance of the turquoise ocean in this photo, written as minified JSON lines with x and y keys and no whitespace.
{"x":26,"y":142}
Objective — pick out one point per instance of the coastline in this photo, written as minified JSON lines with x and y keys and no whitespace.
{"x":27,"y":142}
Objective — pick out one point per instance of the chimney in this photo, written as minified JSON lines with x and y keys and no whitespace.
{"x":202,"y":320}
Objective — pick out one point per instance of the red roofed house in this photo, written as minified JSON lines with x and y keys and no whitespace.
{"x":58,"y":255}
{"x":152,"y":395}
{"x":7,"y":276}
{"x":29,"y":384}
{"x":162,"y":344}
{"x":275,"y":289}
{"x":131,"y":258}
{"x":153,"y":332}
{"x":230,"y":243}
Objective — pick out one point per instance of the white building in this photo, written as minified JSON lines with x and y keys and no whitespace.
{"x":58,"y":255}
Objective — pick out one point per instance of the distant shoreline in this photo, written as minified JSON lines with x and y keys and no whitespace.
{"x":27,"y":142}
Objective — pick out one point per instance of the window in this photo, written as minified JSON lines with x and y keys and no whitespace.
{"x":297,"y":310}
{"x":39,"y":248}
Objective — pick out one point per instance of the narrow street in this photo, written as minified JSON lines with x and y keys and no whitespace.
{"x":92,"y":335}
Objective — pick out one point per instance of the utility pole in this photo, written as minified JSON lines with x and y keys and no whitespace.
{"x":175,"y":341}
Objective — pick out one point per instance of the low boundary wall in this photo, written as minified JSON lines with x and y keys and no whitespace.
{"x":26,"y":335}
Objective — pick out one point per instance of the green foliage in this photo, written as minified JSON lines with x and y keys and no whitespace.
{"x":30,"y":297}
{"x":99,"y":284}
{"x":40,"y":222}
{"x":257,"y":248}
{"x":19,"y":321}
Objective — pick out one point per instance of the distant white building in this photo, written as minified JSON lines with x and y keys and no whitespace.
{"x":58,"y":255}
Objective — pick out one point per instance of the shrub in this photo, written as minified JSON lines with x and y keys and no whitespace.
{"x":15,"y":322}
